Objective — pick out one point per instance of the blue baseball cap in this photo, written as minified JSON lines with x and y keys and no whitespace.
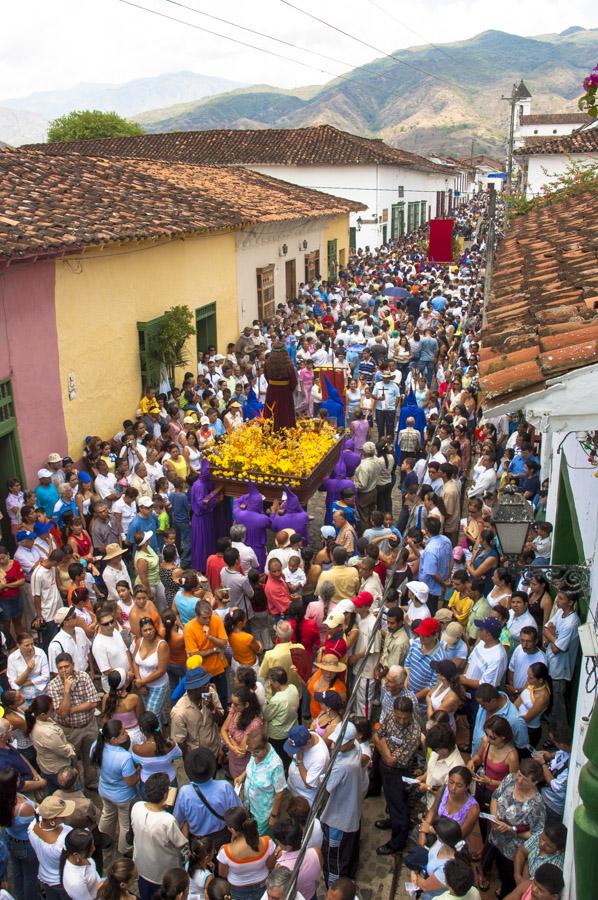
{"x":298,"y":738}
{"x":42,"y":527}
{"x":24,"y":535}
{"x":491,"y":624}
{"x":84,"y":477}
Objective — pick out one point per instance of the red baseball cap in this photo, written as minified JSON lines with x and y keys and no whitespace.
{"x":428,"y":627}
{"x":363,"y":599}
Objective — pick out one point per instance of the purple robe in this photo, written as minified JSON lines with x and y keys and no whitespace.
{"x":203,"y":498}
{"x":293,"y":516}
{"x":350,"y":458}
{"x":255,"y":521}
{"x":334,"y":485}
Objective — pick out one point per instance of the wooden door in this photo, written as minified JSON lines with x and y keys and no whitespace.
{"x":290,"y":273}
{"x":266,"y":304}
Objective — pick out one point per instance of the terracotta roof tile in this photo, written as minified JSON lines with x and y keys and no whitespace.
{"x":578,"y":142}
{"x":542,"y":317}
{"x":51,"y":204}
{"x":315,"y":145}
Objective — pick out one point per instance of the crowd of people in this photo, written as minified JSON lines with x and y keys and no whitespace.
{"x":188,"y":681}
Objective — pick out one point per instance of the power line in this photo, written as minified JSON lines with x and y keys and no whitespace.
{"x":278,"y":40}
{"x":227,"y":37}
{"x":359,"y":40}
{"x":409,"y":28}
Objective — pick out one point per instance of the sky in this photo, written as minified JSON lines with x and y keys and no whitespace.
{"x":52,"y":44}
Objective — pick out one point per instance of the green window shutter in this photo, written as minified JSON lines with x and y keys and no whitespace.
{"x":352,"y":238}
{"x":423,"y":212}
{"x":332,"y":258}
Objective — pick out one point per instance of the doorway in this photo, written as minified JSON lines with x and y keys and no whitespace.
{"x":205,"y":327}
{"x":11,"y":464}
{"x":290,"y":274}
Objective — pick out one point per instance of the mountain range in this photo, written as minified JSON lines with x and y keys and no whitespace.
{"x":25,"y":119}
{"x":445,"y":99}
{"x":458,"y":102}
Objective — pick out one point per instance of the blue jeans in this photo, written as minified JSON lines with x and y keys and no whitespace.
{"x":183,"y":542}
{"x":24,"y":868}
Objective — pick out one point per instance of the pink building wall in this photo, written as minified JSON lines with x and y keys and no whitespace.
{"x":29,"y":357}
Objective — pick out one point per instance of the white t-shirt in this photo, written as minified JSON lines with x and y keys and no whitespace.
{"x":250,"y":871}
{"x":487,"y":664}
{"x":43,"y":583}
{"x":81,"y":882}
{"x":105,"y":485}
{"x":78,"y":647}
{"x":127,"y":511}
{"x":110,"y":652}
{"x":48,"y":855}
{"x":112,"y":575}
{"x":415,"y":613}
{"x":365,"y":627}
{"x":315,"y":760}
{"x":516,"y":623}
{"x":519,"y":664}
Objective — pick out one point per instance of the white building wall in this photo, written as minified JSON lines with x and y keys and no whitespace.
{"x":375,"y":186}
{"x":545,"y":169}
{"x":260,"y":246}
{"x":584,"y":487}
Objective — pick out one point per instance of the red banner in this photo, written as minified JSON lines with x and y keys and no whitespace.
{"x":441,"y":241}
{"x":335,"y":377}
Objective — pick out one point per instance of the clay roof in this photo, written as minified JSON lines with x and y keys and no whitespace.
{"x":315,"y":145}
{"x":578,"y":142}
{"x":54,"y":204}
{"x":565,"y":118}
{"x":543,"y":311}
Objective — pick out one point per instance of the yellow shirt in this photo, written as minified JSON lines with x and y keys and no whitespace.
{"x":180,"y":466}
{"x":461,"y":607}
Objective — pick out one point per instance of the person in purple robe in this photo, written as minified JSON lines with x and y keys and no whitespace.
{"x":350,"y":457}
{"x":292,"y":515}
{"x":248,"y":510}
{"x":203,"y":497}
{"x":334,"y":485}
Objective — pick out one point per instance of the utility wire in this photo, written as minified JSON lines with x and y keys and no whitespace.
{"x":278,"y":40}
{"x":227,"y":37}
{"x":359,"y":40}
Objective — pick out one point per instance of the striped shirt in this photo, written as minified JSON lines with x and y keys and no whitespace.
{"x":421,"y":674}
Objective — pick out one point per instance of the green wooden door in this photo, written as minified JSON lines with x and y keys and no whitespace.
{"x":352,"y":238}
{"x":332,"y":258}
{"x":149,"y":352}
{"x":11,"y":463}
{"x":384,"y":233}
{"x":205,"y":327}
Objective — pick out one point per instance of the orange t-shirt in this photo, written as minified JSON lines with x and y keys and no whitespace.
{"x":240,"y":644}
{"x":178,"y":654}
{"x":196,"y":641}
{"x":315,"y":708}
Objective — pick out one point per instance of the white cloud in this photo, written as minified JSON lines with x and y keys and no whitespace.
{"x":53,"y":45}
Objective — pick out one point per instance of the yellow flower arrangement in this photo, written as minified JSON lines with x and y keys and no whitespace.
{"x":256,"y":449}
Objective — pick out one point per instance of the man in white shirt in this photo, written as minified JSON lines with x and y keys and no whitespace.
{"x":26,"y":554}
{"x":247,"y":555}
{"x":519,"y":615}
{"x":46,"y":596}
{"x":524,"y":656}
{"x":115,"y":570}
{"x":487,"y":663}
{"x":70,"y":639}
{"x":310,"y":759}
{"x":366,"y":622}
{"x":105,"y":482}
{"x":108,"y":648}
{"x":485,"y":481}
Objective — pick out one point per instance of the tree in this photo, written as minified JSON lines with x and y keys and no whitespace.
{"x":175,"y":329}
{"x":84,"y":124}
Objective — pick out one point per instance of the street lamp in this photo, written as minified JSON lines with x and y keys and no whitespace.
{"x":512,"y":517}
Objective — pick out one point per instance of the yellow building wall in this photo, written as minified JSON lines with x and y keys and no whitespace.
{"x":101,"y":296}
{"x":338,"y":229}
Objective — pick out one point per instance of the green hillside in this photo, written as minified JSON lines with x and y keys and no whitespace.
{"x":407,"y":107}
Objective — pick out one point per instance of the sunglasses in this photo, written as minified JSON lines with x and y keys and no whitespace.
{"x":108,"y":622}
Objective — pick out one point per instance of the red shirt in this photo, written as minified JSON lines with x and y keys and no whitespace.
{"x":278,"y":595}
{"x":380,"y":570}
{"x":13,"y":573}
{"x":310,"y":635}
{"x":214,"y":566}
{"x":336,"y":646}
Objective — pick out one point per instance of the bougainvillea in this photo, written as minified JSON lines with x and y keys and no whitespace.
{"x":589,"y":101}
